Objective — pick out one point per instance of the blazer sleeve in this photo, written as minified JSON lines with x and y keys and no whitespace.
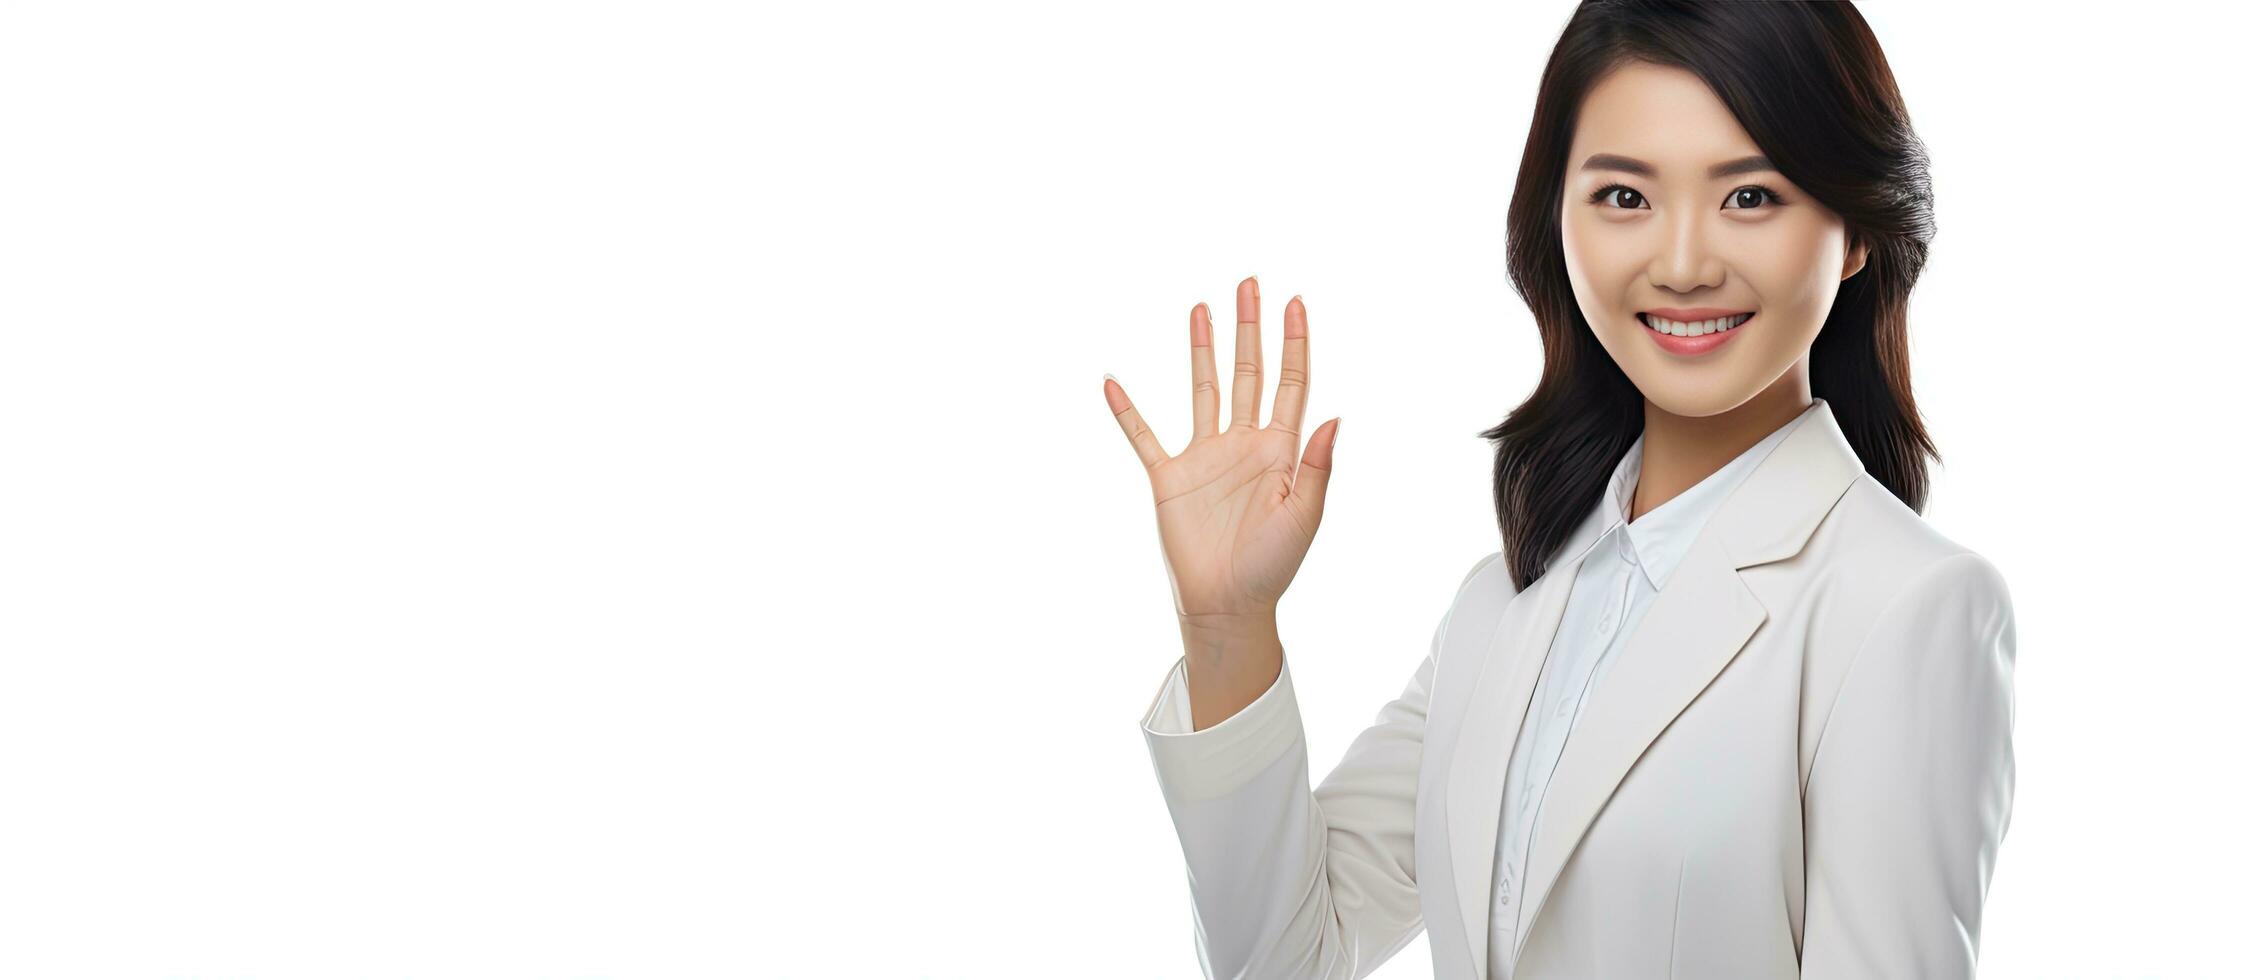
{"x":1286,"y":882}
{"x":1908,"y":794}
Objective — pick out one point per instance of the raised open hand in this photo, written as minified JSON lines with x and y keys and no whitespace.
{"x":1236,"y":509}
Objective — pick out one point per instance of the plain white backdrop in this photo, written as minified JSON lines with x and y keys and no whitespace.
{"x":622,"y":490}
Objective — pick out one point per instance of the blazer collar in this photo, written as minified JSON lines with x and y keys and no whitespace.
{"x":1763,"y":528}
{"x":1659,"y":539}
{"x":1687,"y":636}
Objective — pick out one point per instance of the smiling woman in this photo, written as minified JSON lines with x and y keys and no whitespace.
{"x":1688,"y":162}
{"x":1727,"y":707}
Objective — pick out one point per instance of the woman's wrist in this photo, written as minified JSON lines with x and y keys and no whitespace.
{"x":1230,"y":660}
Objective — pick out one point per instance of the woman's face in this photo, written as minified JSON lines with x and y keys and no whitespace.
{"x":1665,"y":214}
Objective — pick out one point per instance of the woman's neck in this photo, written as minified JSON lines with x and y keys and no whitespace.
{"x":1680,"y":450}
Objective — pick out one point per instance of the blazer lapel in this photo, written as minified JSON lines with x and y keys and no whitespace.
{"x":1510,"y":664}
{"x":1516,"y":650}
{"x":1693,"y":628}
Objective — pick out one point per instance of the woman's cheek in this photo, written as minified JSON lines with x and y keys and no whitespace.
{"x":1813,"y":255}
{"x":1600,"y":276}
{"x":1777,"y":269}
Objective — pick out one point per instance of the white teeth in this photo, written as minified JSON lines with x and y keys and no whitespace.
{"x":1695,"y":327}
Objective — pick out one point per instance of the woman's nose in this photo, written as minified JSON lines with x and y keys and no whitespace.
{"x":1685,"y":260}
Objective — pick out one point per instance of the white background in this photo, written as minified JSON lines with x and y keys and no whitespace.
{"x":622,"y":490}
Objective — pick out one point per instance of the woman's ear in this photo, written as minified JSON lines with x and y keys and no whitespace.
{"x":1857,"y":255}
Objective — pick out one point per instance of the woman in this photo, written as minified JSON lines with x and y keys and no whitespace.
{"x":1727,"y":707}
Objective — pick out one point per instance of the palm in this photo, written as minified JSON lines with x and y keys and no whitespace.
{"x":1225,"y":520}
{"x":1239,"y":506}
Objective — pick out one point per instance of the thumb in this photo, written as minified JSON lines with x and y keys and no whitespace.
{"x":1315,"y":473}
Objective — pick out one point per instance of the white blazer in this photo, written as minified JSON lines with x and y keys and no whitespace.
{"x":1801,"y":766}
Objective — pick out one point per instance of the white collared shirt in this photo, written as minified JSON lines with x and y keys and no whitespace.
{"x":1621,"y":573}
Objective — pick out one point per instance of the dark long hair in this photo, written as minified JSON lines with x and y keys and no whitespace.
{"x":1810,"y":85}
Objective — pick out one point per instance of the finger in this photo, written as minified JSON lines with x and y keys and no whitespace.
{"x":1140,"y":435}
{"x":1314,"y":476}
{"x":1207,"y":396}
{"x":1246,"y":367}
{"x":1292,"y":370}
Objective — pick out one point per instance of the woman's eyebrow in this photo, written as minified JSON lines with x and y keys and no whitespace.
{"x":1614,"y":161}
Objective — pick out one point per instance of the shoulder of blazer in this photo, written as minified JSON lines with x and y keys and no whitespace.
{"x":1482,"y":571}
{"x":1877,"y":529}
{"x":1872,"y":552}
{"x":1486,"y":589}
{"x":1487,"y":586}
{"x":1879,"y":551}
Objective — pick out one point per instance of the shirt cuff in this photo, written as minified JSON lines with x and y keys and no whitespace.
{"x":1217,"y":760}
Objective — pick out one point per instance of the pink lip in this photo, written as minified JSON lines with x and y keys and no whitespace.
{"x":1692,"y":346}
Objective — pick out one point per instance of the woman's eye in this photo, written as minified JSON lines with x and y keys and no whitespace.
{"x":1626,"y":197}
{"x":1749,"y":198}
{"x":1752,"y":198}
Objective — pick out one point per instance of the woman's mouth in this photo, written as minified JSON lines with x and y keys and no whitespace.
{"x":1692,"y":337}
